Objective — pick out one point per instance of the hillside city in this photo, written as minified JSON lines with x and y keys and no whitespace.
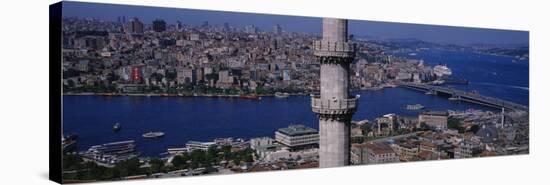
{"x":133,"y":58}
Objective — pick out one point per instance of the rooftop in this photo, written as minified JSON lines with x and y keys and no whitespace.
{"x":296,"y":130}
{"x":376,"y":148}
{"x":380,"y":148}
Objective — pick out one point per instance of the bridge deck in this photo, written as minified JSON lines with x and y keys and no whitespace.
{"x":466,"y":96}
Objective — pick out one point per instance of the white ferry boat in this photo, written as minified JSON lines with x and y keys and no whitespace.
{"x":441,"y":71}
{"x":153,"y":135}
{"x":281,"y":95}
{"x":414,"y":107}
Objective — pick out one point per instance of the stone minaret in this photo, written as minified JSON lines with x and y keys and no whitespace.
{"x":334,"y":106}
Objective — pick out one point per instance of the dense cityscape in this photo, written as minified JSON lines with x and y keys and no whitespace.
{"x":128,"y":57}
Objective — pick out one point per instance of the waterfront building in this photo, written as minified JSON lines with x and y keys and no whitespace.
{"x":334,"y":106}
{"x":374,"y":72}
{"x":297,"y":137}
{"x":434,"y":119}
{"x":185,"y":76}
{"x":111,"y":153}
{"x":196,"y":145}
{"x":225,"y":80}
{"x":403,"y":76}
{"x":255,"y":143}
{"x":226,"y":141}
{"x":177,"y":151}
{"x":388,"y":122}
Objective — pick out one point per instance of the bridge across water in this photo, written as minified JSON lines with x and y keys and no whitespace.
{"x":459,"y":95}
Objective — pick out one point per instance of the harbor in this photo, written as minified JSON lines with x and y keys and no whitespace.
{"x":187,"y":119}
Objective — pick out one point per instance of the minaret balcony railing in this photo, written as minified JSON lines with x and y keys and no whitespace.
{"x":333,"y":49}
{"x":334,"y":106}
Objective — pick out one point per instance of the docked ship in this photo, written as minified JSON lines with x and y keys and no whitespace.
{"x":281,"y":95}
{"x":250,"y":97}
{"x":153,"y":135}
{"x":111,"y":153}
{"x":68,"y":143}
{"x":442,"y":71}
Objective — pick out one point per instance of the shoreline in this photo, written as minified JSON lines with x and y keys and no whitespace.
{"x":244,"y":96}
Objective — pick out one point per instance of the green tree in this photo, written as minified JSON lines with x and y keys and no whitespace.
{"x":474,"y":128}
{"x":71,"y":162}
{"x":180,"y":161}
{"x":128,"y":167}
{"x":157,"y":165}
{"x":198,"y":158}
{"x":365,"y":128}
{"x":237,"y":161}
{"x":454,"y":123}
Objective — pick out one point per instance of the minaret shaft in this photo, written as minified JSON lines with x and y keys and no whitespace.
{"x":334,"y":106}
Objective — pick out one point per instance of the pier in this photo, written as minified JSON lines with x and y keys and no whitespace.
{"x":465,"y":96}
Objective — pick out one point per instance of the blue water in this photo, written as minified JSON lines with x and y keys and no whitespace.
{"x":204,"y":119}
{"x":496,"y":76}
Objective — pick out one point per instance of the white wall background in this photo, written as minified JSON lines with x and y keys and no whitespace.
{"x":24,"y":89}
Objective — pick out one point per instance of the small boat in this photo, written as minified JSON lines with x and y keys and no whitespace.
{"x":414,"y":107}
{"x":153,"y":135}
{"x":281,"y":95}
{"x":116,"y":127}
{"x":250,"y":97}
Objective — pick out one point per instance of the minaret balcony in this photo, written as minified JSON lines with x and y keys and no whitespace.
{"x":323,"y":48}
{"x":334,"y":106}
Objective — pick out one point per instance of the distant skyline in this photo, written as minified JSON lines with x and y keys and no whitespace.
{"x":265,"y":22}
